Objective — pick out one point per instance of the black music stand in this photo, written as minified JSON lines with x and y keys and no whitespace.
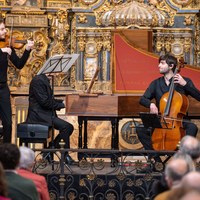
{"x":57,"y":64}
{"x":150,"y":120}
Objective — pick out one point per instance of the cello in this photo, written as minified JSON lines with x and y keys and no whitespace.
{"x":173,"y":107}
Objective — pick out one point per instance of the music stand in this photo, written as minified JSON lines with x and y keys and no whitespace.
{"x":150,"y":120}
{"x":57,"y":64}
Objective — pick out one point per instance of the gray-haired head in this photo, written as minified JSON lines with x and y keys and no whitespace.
{"x":190,"y":145}
{"x":27,"y":157}
{"x":175,"y":170}
{"x":187,"y":158}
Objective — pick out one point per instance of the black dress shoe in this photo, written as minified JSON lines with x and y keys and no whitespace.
{"x":69,"y":160}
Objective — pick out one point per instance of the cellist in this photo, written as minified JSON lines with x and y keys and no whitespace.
{"x":158,"y":87}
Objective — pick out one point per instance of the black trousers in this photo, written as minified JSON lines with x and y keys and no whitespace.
{"x":6,"y":112}
{"x":144,"y":136}
{"x":65,"y":130}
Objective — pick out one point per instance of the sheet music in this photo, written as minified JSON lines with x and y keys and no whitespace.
{"x":58,"y":63}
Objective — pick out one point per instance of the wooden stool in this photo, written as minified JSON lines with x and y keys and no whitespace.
{"x":33,"y":133}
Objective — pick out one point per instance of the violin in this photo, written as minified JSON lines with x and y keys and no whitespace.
{"x":173,"y":107}
{"x":16,"y":41}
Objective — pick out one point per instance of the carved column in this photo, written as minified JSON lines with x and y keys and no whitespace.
{"x":107,"y":50}
{"x":81,"y":47}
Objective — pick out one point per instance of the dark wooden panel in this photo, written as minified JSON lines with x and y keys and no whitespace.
{"x":114,"y":105}
{"x":194,"y":108}
{"x":91,"y":105}
{"x":103,"y":105}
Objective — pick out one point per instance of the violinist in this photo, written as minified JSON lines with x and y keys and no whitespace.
{"x":158,"y":87}
{"x":8,"y":53}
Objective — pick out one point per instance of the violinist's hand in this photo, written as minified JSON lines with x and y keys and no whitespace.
{"x":179,"y":79}
{"x":153,"y":108}
{"x":7,"y":50}
{"x":29,"y":45}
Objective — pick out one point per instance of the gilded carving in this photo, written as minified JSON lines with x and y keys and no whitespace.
{"x":41,"y":43}
{"x":20,"y":20}
{"x":26,"y":3}
{"x":182,"y":2}
{"x":82,"y":19}
{"x":159,"y":44}
{"x":98,"y":12}
{"x":81,"y":41}
{"x":187,"y":44}
{"x":177,"y":48}
{"x":107,"y":41}
{"x":135,"y":14}
{"x":36,"y":60}
{"x":175,"y":41}
{"x":89,"y":2}
{"x":91,"y":47}
{"x":64,"y":4}
{"x":3,"y":14}
{"x":73,"y":34}
{"x":162,"y":6}
{"x":99,"y":44}
{"x":2,"y":2}
{"x":188,"y":20}
{"x":197,"y":40}
{"x":59,"y":32}
{"x":73,"y":49}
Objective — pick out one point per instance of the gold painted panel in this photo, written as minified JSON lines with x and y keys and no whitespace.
{"x":35,"y":3}
{"x":59,"y":4}
{"x":29,"y":21}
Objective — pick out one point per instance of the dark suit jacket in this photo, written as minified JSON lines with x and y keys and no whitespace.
{"x":20,"y":188}
{"x":41,"y":104}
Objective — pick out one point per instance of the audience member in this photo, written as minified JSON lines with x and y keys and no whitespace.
{"x":3,"y":185}
{"x":189,"y":183}
{"x":185,"y":152}
{"x":187,"y":158}
{"x":190,"y":145}
{"x":19,"y":188}
{"x":27,"y":161}
{"x":193,"y":195}
{"x":174,"y":172}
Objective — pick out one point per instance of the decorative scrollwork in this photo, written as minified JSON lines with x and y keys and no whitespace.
{"x":82,"y":19}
